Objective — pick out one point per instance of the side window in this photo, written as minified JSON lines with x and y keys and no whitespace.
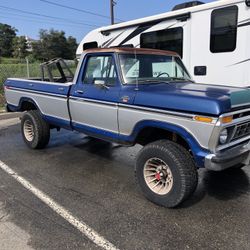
{"x":100,"y":68}
{"x":131,"y":67}
{"x":223,"y":35}
{"x":169,"y":39}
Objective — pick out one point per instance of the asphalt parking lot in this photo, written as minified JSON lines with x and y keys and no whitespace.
{"x":94,"y":181}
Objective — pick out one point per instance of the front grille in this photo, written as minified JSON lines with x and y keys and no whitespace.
{"x":241,"y":130}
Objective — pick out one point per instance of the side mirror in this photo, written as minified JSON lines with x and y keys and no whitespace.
{"x":101,"y":84}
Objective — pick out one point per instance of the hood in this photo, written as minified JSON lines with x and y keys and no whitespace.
{"x":192,"y":97}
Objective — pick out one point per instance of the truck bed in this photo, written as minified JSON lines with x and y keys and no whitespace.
{"x":49,"y":97}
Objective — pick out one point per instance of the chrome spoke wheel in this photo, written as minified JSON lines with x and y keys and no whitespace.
{"x":28,"y":130}
{"x":158,"y":176}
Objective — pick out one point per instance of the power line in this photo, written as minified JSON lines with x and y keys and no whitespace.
{"x":14,"y":14}
{"x":51,"y":17}
{"x":79,"y":10}
{"x":40,"y":21}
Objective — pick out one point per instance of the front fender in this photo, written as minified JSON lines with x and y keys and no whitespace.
{"x":199,"y":152}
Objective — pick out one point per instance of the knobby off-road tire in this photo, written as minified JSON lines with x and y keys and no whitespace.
{"x":166,"y":173}
{"x":35,"y":131}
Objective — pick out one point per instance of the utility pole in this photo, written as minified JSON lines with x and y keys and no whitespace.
{"x":112,"y":4}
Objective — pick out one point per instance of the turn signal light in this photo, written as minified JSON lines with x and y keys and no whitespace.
{"x":203,"y":119}
{"x":227,"y":119}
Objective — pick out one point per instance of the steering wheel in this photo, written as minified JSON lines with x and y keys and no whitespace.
{"x":163,"y":73}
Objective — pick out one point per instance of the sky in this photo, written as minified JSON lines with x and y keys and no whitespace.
{"x":29,"y":16}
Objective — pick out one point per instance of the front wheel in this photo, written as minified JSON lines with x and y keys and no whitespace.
{"x":35,"y":131}
{"x":166,"y":173}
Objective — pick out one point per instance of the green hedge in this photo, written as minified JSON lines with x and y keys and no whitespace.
{"x":5,"y":60}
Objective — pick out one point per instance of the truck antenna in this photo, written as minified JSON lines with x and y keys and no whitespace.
{"x":136,"y":78}
{"x":112,"y":4}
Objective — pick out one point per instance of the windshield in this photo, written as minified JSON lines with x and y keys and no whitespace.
{"x":147,"y":68}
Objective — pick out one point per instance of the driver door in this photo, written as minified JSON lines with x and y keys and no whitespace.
{"x":94,"y":103}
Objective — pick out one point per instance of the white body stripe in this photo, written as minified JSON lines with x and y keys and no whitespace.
{"x":105,"y":116}
{"x":48,"y":105}
{"x":128,"y":118}
{"x":95,"y":114}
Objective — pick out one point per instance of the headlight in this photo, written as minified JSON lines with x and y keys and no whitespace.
{"x":223,"y":136}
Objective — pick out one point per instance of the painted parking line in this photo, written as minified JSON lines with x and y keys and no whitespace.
{"x":78,"y":224}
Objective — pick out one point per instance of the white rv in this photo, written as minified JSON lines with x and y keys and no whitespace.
{"x":213,"y":39}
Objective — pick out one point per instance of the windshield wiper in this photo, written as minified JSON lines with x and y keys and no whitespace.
{"x":153,"y":81}
{"x":181,"y":79}
{"x":159,"y":81}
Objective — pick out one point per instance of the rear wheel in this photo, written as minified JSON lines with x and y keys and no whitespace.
{"x":35,"y":131}
{"x":166,"y":173}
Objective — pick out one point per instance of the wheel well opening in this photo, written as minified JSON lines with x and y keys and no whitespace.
{"x":27,"y":105}
{"x":150,"y":134}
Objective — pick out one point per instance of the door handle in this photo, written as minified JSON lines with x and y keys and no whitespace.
{"x":79,"y":92}
{"x":61,"y":89}
{"x":31,"y":84}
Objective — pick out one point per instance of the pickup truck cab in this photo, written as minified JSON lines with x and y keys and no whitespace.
{"x":131,"y":96}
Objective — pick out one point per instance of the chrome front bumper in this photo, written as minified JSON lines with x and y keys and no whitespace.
{"x":228,"y":158}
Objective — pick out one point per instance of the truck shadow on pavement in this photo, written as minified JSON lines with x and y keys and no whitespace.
{"x":225,"y":185}
{"x":92,"y":145}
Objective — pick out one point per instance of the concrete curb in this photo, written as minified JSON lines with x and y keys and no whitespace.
{"x":5,"y":115}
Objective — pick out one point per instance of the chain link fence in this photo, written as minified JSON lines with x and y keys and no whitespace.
{"x":21,"y":69}
{"x":17,"y":70}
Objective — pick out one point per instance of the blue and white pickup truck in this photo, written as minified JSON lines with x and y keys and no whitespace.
{"x":131,"y":96}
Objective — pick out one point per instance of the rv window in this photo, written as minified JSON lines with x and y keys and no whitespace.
{"x":90,"y":45}
{"x":169,"y":39}
{"x":224,"y":29}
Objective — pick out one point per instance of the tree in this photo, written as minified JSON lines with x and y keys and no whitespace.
{"x":20,"y":47}
{"x":38,"y":51}
{"x":7,"y":34}
{"x":72,"y":46}
{"x":53,"y":44}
